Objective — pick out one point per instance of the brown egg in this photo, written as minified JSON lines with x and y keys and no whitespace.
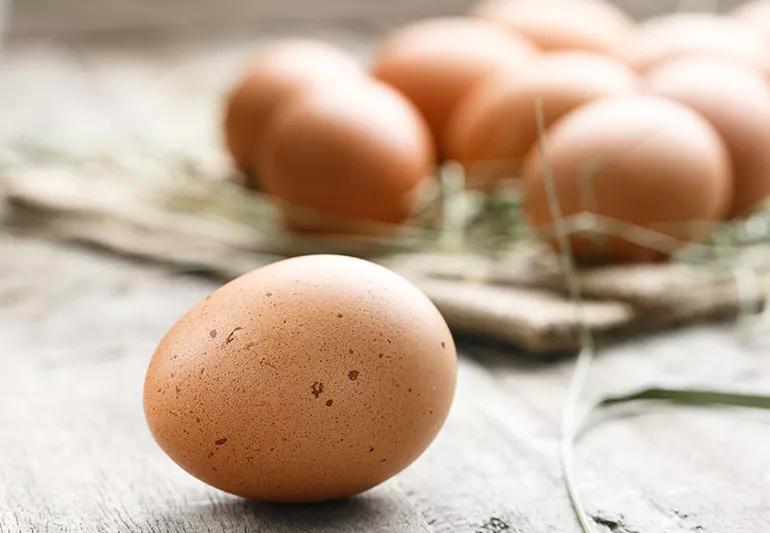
{"x":643,"y":161}
{"x":274,"y":76}
{"x":494,"y":127}
{"x":310,"y":379}
{"x":735,"y":99}
{"x":346,"y":155}
{"x":757,"y":15}
{"x":687,"y":34}
{"x":561,"y":24}
{"x":436,"y":62}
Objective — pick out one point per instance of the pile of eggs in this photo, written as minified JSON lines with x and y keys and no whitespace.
{"x":664,"y":125}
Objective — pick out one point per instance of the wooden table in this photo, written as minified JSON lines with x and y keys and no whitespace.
{"x":77,"y":329}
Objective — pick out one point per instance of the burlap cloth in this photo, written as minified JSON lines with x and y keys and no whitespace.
{"x":517,"y":297}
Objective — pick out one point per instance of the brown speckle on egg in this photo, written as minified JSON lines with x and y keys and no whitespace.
{"x":231,"y":337}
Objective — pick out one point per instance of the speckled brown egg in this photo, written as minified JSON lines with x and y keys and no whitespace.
{"x":275,"y":75}
{"x":681,"y":35}
{"x":436,"y":62}
{"x":642,"y":161}
{"x":592,"y":25}
{"x":494,"y":127}
{"x":340,"y":158}
{"x":309,"y":379}
{"x":735,"y":99}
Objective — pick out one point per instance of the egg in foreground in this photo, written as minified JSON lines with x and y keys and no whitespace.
{"x":436,"y":62}
{"x":336,"y":159}
{"x":309,"y":379}
{"x":494,"y":127}
{"x":642,"y":161}
{"x":273,"y":77}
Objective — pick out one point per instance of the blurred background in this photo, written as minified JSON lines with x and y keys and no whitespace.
{"x":50,"y":18}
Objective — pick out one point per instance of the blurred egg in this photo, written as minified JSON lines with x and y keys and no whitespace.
{"x":335,"y":158}
{"x":757,"y":15}
{"x":494,"y":127}
{"x":273,"y":77}
{"x":561,"y":24}
{"x":735,"y":99}
{"x":643,"y":161}
{"x":437,"y":61}
{"x":686,"y":34}
{"x":310,"y":379}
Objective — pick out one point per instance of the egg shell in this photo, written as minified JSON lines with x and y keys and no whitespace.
{"x":339,"y":157}
{"x":735,"y":99}
{"x":757,"y":15}
{"x":313,"y":378}
{"x":494,"y":127}
{"x":640,"y":160}
{"x":561,"y":24}
{"x":679,"y":35}
{"x":436,"y":62}
{"x":274,"y":76}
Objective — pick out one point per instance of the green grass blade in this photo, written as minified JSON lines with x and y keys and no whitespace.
{"x":585,"y":358}
{"x":691,"y":397}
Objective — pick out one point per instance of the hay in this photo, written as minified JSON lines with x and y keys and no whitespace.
{"x":498,"y":284}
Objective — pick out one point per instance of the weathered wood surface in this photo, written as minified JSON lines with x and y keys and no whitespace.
{"x":77,"y":330}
